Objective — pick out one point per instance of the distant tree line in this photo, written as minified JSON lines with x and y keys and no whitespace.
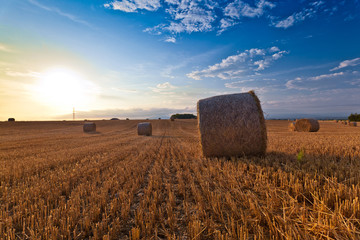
{"x":354,"y":117}
{"x":183,"y":116}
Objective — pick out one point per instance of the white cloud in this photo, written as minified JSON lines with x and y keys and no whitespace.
{"x":239,"y":65}
{"x":60,"y":12}
{"x":238,"y":9}
{"x":164,"y":88}
{"x":4,"y":48}
{"x":300,"y":16}
{"x":324,"y":81}
{"x":134,"y":5}
{"x":22,"y":74}
{"x":171,"y":40}
{"x":324,"y":76}
{"x":347,"y":63}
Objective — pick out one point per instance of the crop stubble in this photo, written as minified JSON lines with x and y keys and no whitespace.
{"x":58,"y":182}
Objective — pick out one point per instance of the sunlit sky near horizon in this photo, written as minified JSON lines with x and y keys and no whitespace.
{"x":153,"y":58}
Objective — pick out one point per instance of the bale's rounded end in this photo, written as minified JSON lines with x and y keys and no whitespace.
{"x":89,"y":127}
{"x":232,"y":125}
{"x":307,"y":125}
{"x":144,"y":129}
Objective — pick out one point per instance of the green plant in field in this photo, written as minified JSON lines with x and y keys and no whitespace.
{"x":300,"y":156}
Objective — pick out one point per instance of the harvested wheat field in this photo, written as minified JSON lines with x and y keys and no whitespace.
{"x":57,"y":182}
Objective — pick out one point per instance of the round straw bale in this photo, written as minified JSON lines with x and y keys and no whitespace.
{"x":292,"y":126}
{"x":346,"y":123}
{"x":352,"y":124}
{"x":307,"y":125}
{"x":144,"y":128}
{"x":231,"y":125}
{"x":89,"y":127}
{"x":172,"y":119}
{"x":11,"y":119}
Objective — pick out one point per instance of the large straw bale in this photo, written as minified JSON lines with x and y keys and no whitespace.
{"x":89,"y":127}
{"x":307,"y":125}
{"x":231,"y":125}
{"x":352,"y":124}
{"x":292,"y":126}
{"x":144,"y":128}
{"x":11,"y":119}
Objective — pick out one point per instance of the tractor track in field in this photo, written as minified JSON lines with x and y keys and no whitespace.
{"x":139,"y":193}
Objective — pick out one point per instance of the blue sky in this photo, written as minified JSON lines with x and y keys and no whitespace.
{"x":152,"y":58}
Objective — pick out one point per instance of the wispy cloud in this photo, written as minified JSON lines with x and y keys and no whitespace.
{"x":134,"y":5}
{"x":22,"y":74}
{"x":324,"y":81}
{"x":5,"y":48}
{"x":347,"y":63}
{"x":243,"y":64}
{"x":164,"y":88}
{"x":170,"y":39}
{"x":60,"y":13}
{"x":133,"y":113}
{"x":309,"y":12}
{"x":194,"y":16}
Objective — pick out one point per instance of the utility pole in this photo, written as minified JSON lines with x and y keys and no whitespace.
{"x":73,"y":114}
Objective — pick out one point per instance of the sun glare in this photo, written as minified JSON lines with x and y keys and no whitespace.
{"x":64,"y":88}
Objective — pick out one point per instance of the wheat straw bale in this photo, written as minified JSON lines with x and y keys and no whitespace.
{"x":89,"y":127}
{"x":231,"y":125}
{"x":292,"y":126}
{"x":352,"y":124}
{"x":144,"y":128}
{"x":307,"y":125}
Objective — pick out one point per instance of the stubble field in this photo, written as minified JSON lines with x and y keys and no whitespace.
{"x":57,"y":182}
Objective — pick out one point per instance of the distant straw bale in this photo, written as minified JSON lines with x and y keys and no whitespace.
{"x":231,"y":125}
{"x":11,"y":120}
{"x":352,"y":124}
{"x":346,"y":123}
{"x":335,"y":121}
{"x":172,"y":119}
{"x":144,"y":128}
{"x":292,"y":126}
{"x":89,"y":127}
{"x":307,"y":125}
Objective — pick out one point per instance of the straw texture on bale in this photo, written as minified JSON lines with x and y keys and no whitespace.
{"x":307,"y":125}
{"x":144,"y":129}
{"x":352,"y":124}
{"x":231,"y":125}
{"x":11,"y":119}
{"x":89,"y":127}
{"x":292,"y":126}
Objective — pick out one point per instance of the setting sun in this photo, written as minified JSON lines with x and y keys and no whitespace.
{"x":64,"y":88}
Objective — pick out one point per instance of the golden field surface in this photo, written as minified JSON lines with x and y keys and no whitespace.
{"x":57,"y":182}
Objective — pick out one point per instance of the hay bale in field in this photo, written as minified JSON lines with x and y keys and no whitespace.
{"x":307,"y":125}
{"x":352,"y":124}
{"x":11,"y":120}
{"x":292,"y":126}
{"x":144,"y":128}
{"x":346,"y":123}
{"x":127,"y":119}
{"x":335,"y":121}
{"x":89,"y":127}
{"x":231,"y":125}
{"x":172,"y":119}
